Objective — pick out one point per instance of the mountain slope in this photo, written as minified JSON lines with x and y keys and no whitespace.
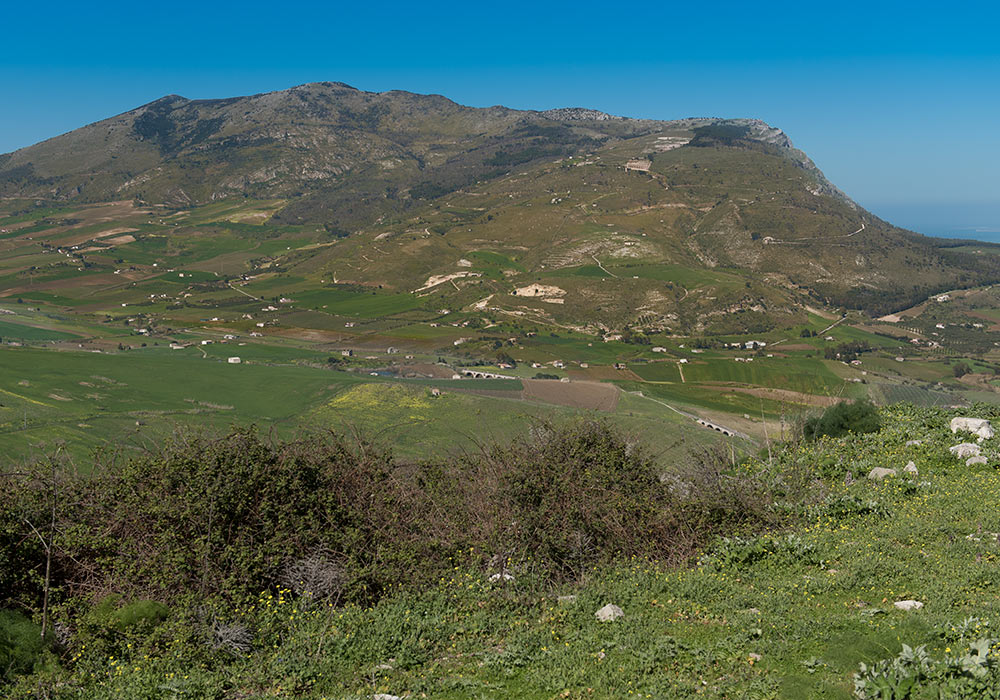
{"x":327,"y":144}
{"x":695,"y":225}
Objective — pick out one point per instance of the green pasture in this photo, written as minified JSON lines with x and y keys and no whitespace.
{"x":19,"y":331}
{"x":797,"y":374}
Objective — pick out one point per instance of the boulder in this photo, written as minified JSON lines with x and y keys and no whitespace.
{"x":566,"y":599}
{"x":908,"y":605}
{"x":911,"y":443}
{"x":609,"y":613}
{"x":966,"y":449}
{"x":879,"y":473}
{"x":978,"y":426}
{"x":978,"y":459}
{"x":910,"y":468}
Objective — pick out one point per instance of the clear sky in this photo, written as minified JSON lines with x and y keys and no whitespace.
{"x":897,"y":102}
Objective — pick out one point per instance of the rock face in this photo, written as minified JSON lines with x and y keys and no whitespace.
{"x":978,"y":426}
{"x":609,"y":613}
{"x":911,"y":468}
{"x":908,"y":605}
{"x":978,"y":459}
{"x":879,"y":473}
{"x":911,"y":443}
{"x":966,"y":449}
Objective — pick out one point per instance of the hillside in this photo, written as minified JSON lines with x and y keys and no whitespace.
{"x":688,"y":226}
{"x":563,"y":565}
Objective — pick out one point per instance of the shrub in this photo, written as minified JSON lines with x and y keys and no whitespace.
{"x":141,"y":614}
{"x":21,"y":644}
{"x":842,"y":418}
{"x":345,"y":522}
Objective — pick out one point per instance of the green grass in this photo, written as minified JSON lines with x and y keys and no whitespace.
{"x":66,"y":389}
{"x":659,"y":371}
{"x":19,"y":331}
{"x":797,"y":374}
{"x":782,"y":615}
{"x":87,"y":399}
{"x":697,"y":398}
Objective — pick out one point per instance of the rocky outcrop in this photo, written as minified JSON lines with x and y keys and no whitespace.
{"x":977,"y":426}
{"x":609,"y":613}
{"x":966,"y":449}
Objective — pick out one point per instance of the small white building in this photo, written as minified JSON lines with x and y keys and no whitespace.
{"x":234,"y":360}
{"x":659,"y":348}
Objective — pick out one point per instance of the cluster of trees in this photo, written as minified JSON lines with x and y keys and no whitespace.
{"x":847,"y":351}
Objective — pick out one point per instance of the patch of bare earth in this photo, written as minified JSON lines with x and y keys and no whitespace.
{"x":603,"y":372}
{"x":586,"y":395}
{"x":782,"y":395}
{"x":980,"y":381}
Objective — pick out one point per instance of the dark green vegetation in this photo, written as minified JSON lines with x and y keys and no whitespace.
{"x":843,"y":418}
{"x":351,"y":573}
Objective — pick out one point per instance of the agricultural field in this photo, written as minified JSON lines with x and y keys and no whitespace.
{"x":86,"y":400}
{"x":119,"y":282}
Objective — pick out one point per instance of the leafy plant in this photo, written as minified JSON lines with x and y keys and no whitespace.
{"x":842,"y":418}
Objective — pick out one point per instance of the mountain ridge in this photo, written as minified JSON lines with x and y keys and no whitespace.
{"x":411,"y":188}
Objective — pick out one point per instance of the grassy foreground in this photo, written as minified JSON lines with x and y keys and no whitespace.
{"x":789,"y":605}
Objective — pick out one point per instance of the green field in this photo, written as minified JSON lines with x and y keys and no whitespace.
{"x":86,"y":400}
{"x":19,"y":331}
{"x":797,"y":374}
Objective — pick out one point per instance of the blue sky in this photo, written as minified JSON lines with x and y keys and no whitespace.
{"x":898,"y":103}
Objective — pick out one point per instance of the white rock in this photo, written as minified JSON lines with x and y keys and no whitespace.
{"x":609,"y":613}
{"x":908,"y":605}
{"x":966,"y":449}
{"x":978,"y":426}
{"x":978,"y":459}
{"x":911,"y":468}
{"x":566,"y":599}
{"x":911,"y":443}
{"x":384,"y":696}
{"x":879,"y":473}
{"x":501,"y":577}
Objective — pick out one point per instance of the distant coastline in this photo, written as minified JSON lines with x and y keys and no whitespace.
{"x":977,"y":221}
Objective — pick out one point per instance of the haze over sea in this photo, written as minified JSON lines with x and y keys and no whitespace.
{"x":977,"y":221}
